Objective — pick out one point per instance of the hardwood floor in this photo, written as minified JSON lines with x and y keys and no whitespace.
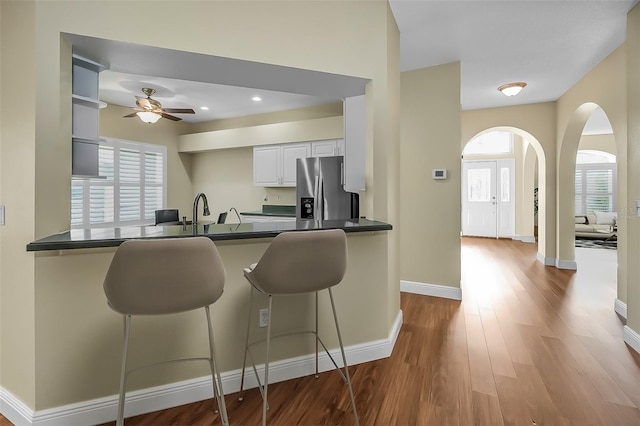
{"x":529,"y":345}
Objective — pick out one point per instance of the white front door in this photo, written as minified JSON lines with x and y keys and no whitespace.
{"x":488,"y":208}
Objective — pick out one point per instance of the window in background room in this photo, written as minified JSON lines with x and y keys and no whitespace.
{"x":131,"y":187}
{"x":495,"y":142}
{"x":595,"y":182}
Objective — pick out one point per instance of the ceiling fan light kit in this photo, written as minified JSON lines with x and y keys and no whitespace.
{"x":512,"y":89}
{"x":148,"y":116}
{"x":149,"y":110}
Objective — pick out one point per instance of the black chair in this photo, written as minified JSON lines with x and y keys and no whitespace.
{"x":167,"y":217}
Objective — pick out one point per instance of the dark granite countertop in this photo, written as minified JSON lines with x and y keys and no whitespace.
{"x":113,"y":237}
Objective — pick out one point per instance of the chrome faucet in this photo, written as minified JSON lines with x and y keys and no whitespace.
{"x":205,"y":210}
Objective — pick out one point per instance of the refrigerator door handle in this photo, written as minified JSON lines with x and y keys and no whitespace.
{"x":318,"y":199}
{"x":342,"y":173}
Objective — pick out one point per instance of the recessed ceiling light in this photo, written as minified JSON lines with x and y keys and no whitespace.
{"x":512,"y":89}
{"x":204,"y":108}
{"x":256,"y":98}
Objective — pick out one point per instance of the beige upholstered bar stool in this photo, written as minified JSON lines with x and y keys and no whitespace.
{"x":166,"y":276}
{"x":296,"y":263}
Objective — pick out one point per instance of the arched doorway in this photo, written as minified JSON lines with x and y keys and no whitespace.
{"x":501,"y":146}
{"x":574,"y":137}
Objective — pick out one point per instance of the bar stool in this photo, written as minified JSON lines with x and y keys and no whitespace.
{"x":166,"y":276}
{"x":296,"y":263}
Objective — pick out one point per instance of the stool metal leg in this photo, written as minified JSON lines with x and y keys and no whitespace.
{"x":316,"y":376}
{"x":123,"y":370}
{"x":218,"y":393}
{"x":265,"y":404}
{"x":344,"y":360}
{"x":246,"y":347}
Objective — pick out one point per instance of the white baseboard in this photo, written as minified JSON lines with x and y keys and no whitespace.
{"x":558,"y":263}
{"x":631,"y":338}
{"x":547,"y":261}
{"x":13,"y":409}
{"x":103,"y":410}
{"x":620,"y":308}
{"x":431,"y":290}
{"x":524,"y":238}
{"x":567,"y":264}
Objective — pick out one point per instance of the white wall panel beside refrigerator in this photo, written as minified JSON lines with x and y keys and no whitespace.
{"x":355,"y":116}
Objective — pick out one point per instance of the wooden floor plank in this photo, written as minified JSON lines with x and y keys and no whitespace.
{"x":479,"y":362}
{"x":498,"y":353}
{"x":528,"y":345}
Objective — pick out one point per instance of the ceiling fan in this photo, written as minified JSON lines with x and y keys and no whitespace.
{"x":149,"y":110}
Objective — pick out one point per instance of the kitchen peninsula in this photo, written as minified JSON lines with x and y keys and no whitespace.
{"x":113,"y":237}
{"x":73,"y":309}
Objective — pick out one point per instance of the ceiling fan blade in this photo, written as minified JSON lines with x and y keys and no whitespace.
{"x":179,"y":110}
{"x":133,"y":114}
{"x":170,"y":117}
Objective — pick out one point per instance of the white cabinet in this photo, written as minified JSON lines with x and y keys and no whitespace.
{"x":266,"y":165}
{"x":275,"y":165}
{"x":327,"y":148}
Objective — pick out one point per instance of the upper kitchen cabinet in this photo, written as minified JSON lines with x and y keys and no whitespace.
{"x":328,"y":148}
{"x":275,"y":165}
{"x":85,"y":117}
{"x":355,"y":120}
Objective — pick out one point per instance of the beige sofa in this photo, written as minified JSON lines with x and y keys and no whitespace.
{"x":601,"y":225}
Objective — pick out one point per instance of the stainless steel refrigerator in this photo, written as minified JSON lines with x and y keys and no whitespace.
{"x":320,"y":193}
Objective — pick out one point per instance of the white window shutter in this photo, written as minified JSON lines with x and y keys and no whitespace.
{"x":132,"y":186}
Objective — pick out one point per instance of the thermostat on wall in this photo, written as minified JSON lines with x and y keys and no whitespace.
{"x":439,"y":173}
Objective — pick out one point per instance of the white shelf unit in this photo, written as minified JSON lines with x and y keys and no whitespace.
{"x":85,"y":125}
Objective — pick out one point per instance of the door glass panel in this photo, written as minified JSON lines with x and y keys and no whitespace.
{"x":478,"y":185}
{"x":505,"y":189}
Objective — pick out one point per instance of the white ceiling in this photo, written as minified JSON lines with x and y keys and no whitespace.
{"x":550,"y":45}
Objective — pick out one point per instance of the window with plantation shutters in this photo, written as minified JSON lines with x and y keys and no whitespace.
{"x":132,"y":185}
{"x":595,"y":188}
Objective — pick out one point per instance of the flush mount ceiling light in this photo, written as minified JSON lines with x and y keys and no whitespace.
{"x":512,"y":89}
{"x":148,"y":116}
{"x":204,"y":108}
{"x":256,"y":99}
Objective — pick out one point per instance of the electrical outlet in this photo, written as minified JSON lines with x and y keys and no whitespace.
{"x":263,"y":314}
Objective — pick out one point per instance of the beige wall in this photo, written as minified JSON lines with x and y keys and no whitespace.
{"x":307,"y":113}
{"x":606,"y":143}
{"x":41,"y":293}
{"x":226,"y":176}
{"x":633,"y":177}
{"x":430,"y":209}
{"x":17,"y":180}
